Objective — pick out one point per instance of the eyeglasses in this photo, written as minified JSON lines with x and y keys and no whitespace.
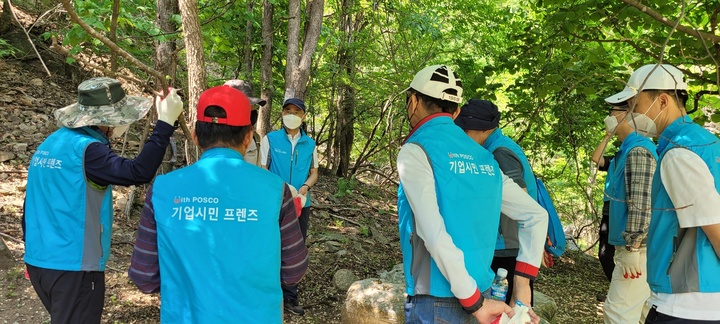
{"x":620,"y":107}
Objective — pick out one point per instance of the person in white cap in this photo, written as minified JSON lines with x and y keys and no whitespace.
{"x":68,"y":214}
{"x":683,"y":244}
{"x":629,"y":183}
{"x":449,"y":203}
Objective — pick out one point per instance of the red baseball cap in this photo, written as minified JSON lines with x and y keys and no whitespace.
{"x":236,"y":104}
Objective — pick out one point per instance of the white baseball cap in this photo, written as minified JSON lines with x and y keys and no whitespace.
{"x":663,"y":77}
{"x":435,"y":80}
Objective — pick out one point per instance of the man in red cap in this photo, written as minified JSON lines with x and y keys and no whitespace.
{"x":215,"y":230}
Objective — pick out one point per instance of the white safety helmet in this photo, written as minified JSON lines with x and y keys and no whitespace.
{"x":435,"y":81}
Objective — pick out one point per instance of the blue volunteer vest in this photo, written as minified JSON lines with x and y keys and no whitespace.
{"x":68,"y":219}
{"x":292,"y":166}
{"x":682,"y":263}
{"x":468,"y":187}
{"x":218,"y":233}
{"x":497,"y":140}
{"x":616,"y":187}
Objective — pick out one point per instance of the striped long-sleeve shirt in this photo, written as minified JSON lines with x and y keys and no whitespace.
{"x":145,"y":267}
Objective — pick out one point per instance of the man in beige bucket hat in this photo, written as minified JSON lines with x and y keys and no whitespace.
{"x":68,"y":214}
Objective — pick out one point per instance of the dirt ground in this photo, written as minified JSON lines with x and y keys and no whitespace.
{"x":354,"y":226}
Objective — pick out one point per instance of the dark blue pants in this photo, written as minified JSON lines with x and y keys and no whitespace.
{"x":424,"y":309}
{"x":71,"y":297}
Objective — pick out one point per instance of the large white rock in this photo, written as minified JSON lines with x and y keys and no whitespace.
{"x":375,"y":300}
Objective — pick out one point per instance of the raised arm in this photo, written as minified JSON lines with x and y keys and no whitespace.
{"x":597,"y":155}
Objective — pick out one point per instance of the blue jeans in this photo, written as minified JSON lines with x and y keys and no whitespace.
{"x":429,"y":309}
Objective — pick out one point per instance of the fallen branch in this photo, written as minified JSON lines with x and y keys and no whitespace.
{"x":12,"y":11}
{"x":346,"y":219}
{"x":13,"y":171}
{"x":12,"y":238}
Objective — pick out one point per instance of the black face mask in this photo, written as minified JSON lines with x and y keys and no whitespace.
{"x":407,"y":104}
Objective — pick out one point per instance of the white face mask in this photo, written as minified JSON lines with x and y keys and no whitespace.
{"x":292,"y":121}
{"x":610,"y":124}
{"x":118,"y":131}
{"x":642,"y":123}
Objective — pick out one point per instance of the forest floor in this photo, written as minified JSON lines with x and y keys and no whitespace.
{"x":353,"y":226}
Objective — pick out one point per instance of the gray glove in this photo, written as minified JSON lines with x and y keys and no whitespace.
{"x":170,"y":107}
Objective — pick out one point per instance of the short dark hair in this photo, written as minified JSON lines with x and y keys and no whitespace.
{"x":435,"y":104}
{"x":213,"y":135}
{"x":680,"y":96}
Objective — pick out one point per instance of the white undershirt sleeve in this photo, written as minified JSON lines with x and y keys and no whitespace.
{"x":264,"y":150}
{"x":691,"y":188}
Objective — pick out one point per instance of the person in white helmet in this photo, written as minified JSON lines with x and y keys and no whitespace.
{"x":449,"y":202}
{"x":683,"y":244}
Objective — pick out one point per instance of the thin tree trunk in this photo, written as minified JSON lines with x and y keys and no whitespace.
{"x":195,"y":55}
{"x":247,"y":55}
{"x":266,"y":84}
{"x":298,"y":64}
{"x":346,"y":99}
{"x":6,"y":19}
{"x":293,"y":47}
{"x":113,"y":37}
{"x":165,"y":51}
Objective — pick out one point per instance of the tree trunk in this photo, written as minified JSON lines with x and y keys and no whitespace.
{"x":113,"y":37}
{"x":346,"y":97}
{"x":165,"y":51}
{"x":297,"y":69}
{"x":345,"y":130}
{"x":266,"y":83}
{"x":197,"y":74}
{"x":293,"y":47}
{"x":6,"y":18}
{"x":247,"y":55}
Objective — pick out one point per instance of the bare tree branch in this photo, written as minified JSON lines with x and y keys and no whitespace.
{"x":92,"y":32}
{"x":12,"y":11}
{"x":675,"y":24}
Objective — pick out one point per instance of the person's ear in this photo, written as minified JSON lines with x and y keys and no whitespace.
{"x":248,"y":138}
{"x":664,"y":100}
{"x":194,"y":137}
{"x":456,"y":113}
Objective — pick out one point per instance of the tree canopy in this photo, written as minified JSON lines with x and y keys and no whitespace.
{"x":548,"y":65}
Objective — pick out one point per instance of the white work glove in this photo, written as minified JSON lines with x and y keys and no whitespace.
{"x":170,"y":107}
{"x":630,"y":262}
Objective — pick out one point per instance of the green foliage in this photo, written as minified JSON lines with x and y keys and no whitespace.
{"x":345,"y":187}
{"x":547,"y":64}
{"x":6,"y":49}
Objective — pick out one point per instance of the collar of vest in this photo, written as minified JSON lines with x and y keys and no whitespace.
{"x":630,"y":140}
{"x":423,"y":121}
{"x":670,"y":131}
{"x":496,"y":134}
{"x":222,"y":152}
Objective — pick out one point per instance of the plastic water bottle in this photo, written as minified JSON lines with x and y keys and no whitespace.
{"x":500,"y":285}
